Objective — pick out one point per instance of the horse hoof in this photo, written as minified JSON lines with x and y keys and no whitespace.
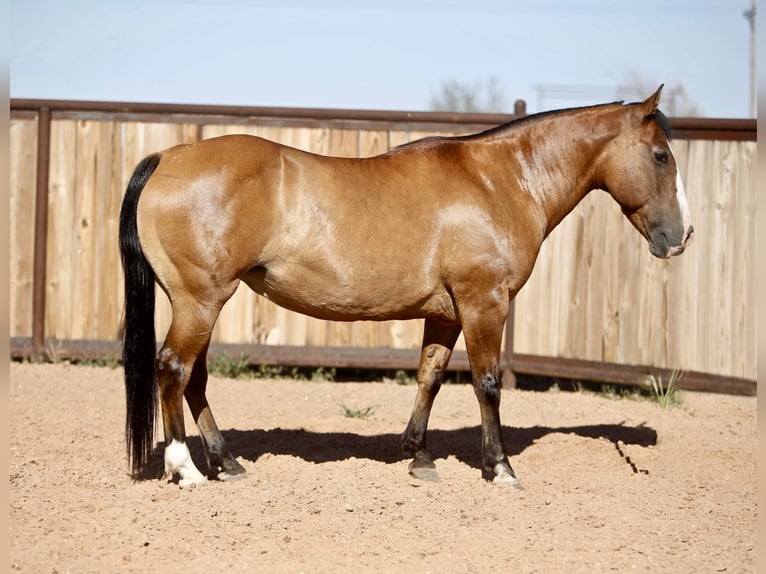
{"x":424,"y":470}
{"x":428,"y":474}
{"x":189,"y":483}
{"x":508,"y":480}
{"x":502,"y":476}
{"x":231,"y":476}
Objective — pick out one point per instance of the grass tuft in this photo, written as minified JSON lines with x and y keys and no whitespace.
{"x":353,"y":413}
{"x":666,"y":395}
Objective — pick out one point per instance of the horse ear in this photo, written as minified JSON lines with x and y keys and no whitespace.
{"x":653,"y":102}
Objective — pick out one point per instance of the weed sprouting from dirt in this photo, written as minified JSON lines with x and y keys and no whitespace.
{"x":226,"y":367}
{"x":666,"y":395}
{"x":354,"y":413}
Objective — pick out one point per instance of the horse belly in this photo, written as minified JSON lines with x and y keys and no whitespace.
{"x":331,"y":294}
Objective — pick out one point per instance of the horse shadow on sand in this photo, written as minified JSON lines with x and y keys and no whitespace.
{"x":464,"y":444}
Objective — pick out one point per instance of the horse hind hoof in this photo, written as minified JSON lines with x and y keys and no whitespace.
{"x":190,"y":483}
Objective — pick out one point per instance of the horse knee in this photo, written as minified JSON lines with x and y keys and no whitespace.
{"x":430,"y":374}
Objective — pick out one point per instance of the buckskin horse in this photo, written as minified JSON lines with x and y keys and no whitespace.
{"x":444,"y":228}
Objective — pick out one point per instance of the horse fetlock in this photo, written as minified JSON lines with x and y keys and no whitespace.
{"x":178,"y":461}
{"x":413,"y":442}
{"x":409,"y":447}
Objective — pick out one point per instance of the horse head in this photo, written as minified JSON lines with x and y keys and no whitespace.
{"x":641,"y":174}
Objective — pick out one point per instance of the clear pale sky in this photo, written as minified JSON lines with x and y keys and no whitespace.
{"x":390,"y":55}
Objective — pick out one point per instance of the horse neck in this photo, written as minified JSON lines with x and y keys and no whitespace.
{"x":555,"y":159}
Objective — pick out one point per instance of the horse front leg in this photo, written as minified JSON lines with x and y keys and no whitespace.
{"x":438,"y":341}
{"x":483,"y":329}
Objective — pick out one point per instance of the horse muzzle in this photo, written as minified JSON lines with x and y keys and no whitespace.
{"x":660,"y":246}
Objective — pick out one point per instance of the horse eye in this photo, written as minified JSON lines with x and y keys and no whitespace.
{"x":661,"y":156}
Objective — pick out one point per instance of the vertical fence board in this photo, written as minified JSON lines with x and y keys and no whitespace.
{"x":23,"y":181}
{"x":62,"y":201}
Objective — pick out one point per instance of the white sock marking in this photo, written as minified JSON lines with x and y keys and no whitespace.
{"x":178,"y":460}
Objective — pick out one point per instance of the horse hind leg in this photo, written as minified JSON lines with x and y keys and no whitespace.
{"x":221,"y":462}
{"x":172,"y":376}
{"x":183,"y":350}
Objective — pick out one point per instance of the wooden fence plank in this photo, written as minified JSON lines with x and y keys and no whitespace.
{"x":23,"y":180}
{"x":62,"y":194}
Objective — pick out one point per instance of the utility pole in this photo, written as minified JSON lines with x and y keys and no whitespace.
{"x":750,"y":17}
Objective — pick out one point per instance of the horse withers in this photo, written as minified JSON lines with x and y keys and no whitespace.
{"x":444,"y":228}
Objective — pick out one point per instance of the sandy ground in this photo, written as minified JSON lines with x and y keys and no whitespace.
{"x":611,"y":485}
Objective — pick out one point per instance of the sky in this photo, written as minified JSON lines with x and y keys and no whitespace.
{"x":391,"y":55}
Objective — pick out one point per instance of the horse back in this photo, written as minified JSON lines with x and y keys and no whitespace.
{"x":332,"y":237}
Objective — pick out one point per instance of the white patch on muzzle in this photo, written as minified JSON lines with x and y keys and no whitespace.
{"x":686,"y":215}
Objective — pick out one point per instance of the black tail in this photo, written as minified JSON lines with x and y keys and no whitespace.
{"x":139,"y":345}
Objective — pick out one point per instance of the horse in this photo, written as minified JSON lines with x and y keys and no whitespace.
{"x":445,"y":229}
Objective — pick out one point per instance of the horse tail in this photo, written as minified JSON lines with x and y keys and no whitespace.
{"x":139,"y":345}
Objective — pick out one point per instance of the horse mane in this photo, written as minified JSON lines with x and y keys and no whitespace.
{"x":660,"y":117}
{"x":664,"y":124}
{"x":518,"y":122}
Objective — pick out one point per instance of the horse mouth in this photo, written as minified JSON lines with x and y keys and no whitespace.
{"x":662,"y":248}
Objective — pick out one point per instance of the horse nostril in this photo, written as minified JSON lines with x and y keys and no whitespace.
{"x":689,"y":236}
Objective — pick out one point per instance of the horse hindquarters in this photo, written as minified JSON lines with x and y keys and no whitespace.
{"x":176,"y":244}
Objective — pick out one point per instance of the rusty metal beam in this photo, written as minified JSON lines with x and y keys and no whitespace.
{"x":629,"y":375}
{"x":714,"y":129}
{"x":385,"y":359}
{"x":41,"y":232}
{"x":683,"y":128}
{"x":168,"y":110}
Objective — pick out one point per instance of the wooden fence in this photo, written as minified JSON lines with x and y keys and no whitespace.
{"x":596,"y":293}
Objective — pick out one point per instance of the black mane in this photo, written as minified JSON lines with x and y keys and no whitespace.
{"x":664,"y":122}
{"x":528,"y":119}
{"x":661,"y":119}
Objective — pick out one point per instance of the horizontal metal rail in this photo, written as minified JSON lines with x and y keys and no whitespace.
{"x":405,"y":359}
{"x":683,"y":127}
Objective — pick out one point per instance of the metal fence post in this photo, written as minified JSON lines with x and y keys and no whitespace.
{"x":41,"y":233}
